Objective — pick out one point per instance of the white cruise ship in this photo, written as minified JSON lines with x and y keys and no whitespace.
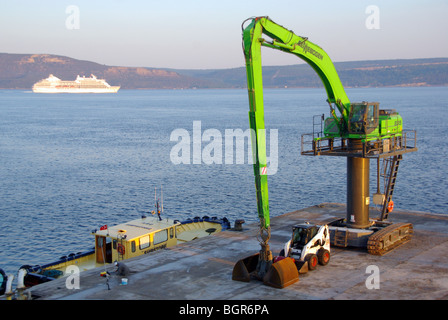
{"x":53,"y":84}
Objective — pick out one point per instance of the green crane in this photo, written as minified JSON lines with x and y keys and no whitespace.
{"x":361,"y":129}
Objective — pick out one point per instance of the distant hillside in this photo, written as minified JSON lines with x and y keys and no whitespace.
{"x":378,"y":73}
{"x":21,"y":71}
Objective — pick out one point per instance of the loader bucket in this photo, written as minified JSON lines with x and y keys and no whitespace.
{"x":302,"y":266}
{"x":244,"y":267}
{"x":282,"y":274}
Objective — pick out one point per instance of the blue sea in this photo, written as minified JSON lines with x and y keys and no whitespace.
{"x":73,"y":162}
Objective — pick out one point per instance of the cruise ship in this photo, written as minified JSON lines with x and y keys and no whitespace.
{"x":53,"y":84}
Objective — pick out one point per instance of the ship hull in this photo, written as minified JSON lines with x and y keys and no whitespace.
{"x":113,"y":89}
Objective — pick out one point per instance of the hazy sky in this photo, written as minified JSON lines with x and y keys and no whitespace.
{"x":203,"y":34}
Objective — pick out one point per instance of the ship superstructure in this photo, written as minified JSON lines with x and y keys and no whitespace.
{"x":91,"y":84}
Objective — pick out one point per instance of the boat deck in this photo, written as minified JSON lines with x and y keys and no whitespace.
{"x":202,"y":269}
{"x":192,"y":231}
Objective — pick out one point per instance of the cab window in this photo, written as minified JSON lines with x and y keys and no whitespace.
{"x":133,"y":246}
{"x":144,"y":242}
{"x":372,"y":118}
{"x":357,"y":118}
{"x":161,"y":236}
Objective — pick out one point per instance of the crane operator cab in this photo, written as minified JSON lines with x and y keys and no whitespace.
{"x":363,"y":121}
{"x":363,"y":117}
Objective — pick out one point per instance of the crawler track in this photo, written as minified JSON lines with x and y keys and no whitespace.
{"x":387,"y":239}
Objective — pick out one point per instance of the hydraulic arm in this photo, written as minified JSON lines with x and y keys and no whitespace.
{"x":284,"y":40}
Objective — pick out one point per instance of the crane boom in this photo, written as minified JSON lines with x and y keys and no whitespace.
{"x":283,"y":40}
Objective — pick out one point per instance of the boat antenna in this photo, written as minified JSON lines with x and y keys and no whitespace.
{"x":155,"y":200}
{"x":161,"y":191}
{"x":157,"y":203}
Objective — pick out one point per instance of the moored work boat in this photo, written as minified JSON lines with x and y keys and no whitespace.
{"x":127,"y":240}
{"x":120,"y":242}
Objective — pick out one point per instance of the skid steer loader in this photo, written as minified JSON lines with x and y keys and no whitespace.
{"x":309,"y":246}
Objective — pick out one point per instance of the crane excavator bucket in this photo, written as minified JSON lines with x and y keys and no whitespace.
{"x":281,"y":274}
{"x":243,"y":268}
{"x":278,"y":274}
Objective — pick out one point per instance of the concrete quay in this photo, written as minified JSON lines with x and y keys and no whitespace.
{"x":202,"y":269}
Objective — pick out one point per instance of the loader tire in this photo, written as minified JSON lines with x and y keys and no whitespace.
{"x":323,"y":255}
{"x":312,"y":261}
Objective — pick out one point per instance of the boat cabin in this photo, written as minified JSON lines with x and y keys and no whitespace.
{"x":134,"y":238}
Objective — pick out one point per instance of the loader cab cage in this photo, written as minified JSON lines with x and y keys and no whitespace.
{"x":302,"y":234}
